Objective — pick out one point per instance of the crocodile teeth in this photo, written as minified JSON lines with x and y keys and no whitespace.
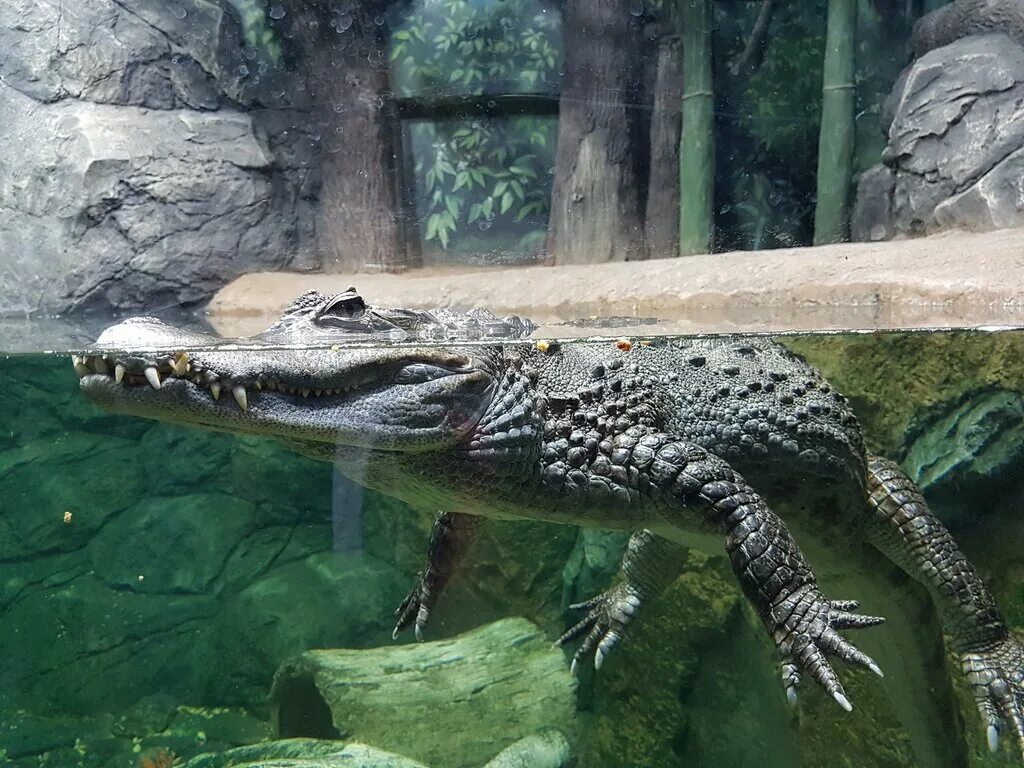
{"x":118,"y":373}
{"x":215,"y":390}
{"x":153,"y":377}
{"x":239,"y":392}
{"x":305,"y":393}
{"x":80,"y":367}
{"x":318,"y":392}
{"x":180,"y":364}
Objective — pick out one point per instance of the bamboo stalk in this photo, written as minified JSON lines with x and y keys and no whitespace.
{"x":836,"y":139}
{"x":697,"y":145}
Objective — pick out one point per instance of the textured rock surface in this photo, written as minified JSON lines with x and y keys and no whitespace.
{"x":970,"y":449}
{"x":304,"y":753}
{"x":955,"y":137}
{"x":967,"y":17}
{"x":503,"y":681}
{"x":131,"y":175}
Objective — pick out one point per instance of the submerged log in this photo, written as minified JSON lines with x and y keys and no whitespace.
{"x":455,"y":702}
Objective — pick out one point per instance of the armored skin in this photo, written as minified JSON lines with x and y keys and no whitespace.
{"x":680,"y":442}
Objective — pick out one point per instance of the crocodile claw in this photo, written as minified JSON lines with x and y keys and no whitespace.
{"x":804,"y":627}
{"x":414,"y":610}
{"x":996,"y":677}
{"x":604,"y":626}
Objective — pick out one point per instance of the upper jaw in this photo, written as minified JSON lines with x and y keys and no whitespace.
{"x":155,"y":370}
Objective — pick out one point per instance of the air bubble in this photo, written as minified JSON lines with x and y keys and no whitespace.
{"x":277,"y":11}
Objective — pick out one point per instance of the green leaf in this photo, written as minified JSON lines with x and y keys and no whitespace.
{"x":500,"y":187}
{"x":452,"y":205}
{"x":506,"y":202}
{"x":432,"y":221}
{"x":518,"y":189}
{"x":477,"y":175}
{"x":489,"y":206}
{"x":475,"y":211}
{"x":461,"y":180}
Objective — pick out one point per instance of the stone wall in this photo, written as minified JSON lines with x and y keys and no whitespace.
{"x":955,"y":153}
{"x":135,"y":169}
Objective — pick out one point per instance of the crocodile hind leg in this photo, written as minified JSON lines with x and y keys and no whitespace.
{"x":450,"y":539}
{"x":904,"y":529}
{"x":649,"y":565}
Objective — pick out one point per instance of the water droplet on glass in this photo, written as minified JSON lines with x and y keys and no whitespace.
{"x":242,"y":70}
{"x":343,"y":22}
{"x":378,"y":20}
{"x":178,"y":12}
{"x":277,"y":11}
{"x":492,"y":103}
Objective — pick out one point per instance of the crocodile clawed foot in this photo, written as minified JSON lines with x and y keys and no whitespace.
{"x":414,"y":610}
{"x":996,"y":676}
{"x":804,"y":625}
{"x":604,"y":626}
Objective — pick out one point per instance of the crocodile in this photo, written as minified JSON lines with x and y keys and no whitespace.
{"x":680,"y":442}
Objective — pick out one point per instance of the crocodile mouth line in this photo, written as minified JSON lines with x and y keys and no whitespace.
{"x":154,"y":372}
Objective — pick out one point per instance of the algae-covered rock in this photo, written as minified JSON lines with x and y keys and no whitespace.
{"x":970,"y":448}
{"x":548,"y":749}
{"x":327,"y":599}
{"x":304,"y":753}
{"x":451,"y":703}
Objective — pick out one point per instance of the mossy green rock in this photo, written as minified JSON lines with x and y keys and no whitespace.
{"x":452,"y":703}
{"x":303,"y":753}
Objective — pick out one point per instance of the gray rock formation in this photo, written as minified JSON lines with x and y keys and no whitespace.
{"x":962,"y":18}
{"x":955,"y":143}
{"x":494,"y":685}
{"x":132,"y":174}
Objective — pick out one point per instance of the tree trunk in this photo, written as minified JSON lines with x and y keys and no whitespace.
{"x":595,"y":205}
{"x":347,"y":78}
{"x":836,"y":140}
{"x":697,"y":147}
{"x":661,"y":222}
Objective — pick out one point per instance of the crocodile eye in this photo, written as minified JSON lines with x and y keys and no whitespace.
{"x":342,"y":308}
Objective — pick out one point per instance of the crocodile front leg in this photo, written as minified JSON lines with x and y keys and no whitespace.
{"x":905,"y":530}
{"x":649,"y":565}
{"x":450,"y":540}
{"x":686,"y":487}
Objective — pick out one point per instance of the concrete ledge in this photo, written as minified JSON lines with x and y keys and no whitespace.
{"x":952,"y":279}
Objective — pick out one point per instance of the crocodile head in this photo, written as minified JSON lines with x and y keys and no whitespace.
{"x":304,"y":381}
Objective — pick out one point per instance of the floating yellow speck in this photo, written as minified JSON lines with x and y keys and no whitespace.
{"x":335,"y":348}
{"x":67,"y":517}
{"x":141,"y":577}
{"x":543,"y":346}
{"x":624,"y":344}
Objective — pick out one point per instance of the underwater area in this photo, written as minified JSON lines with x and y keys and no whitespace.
{"x":173,"y":595}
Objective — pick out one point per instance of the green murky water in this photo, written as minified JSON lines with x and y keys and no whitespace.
{"x":153,"y":580}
